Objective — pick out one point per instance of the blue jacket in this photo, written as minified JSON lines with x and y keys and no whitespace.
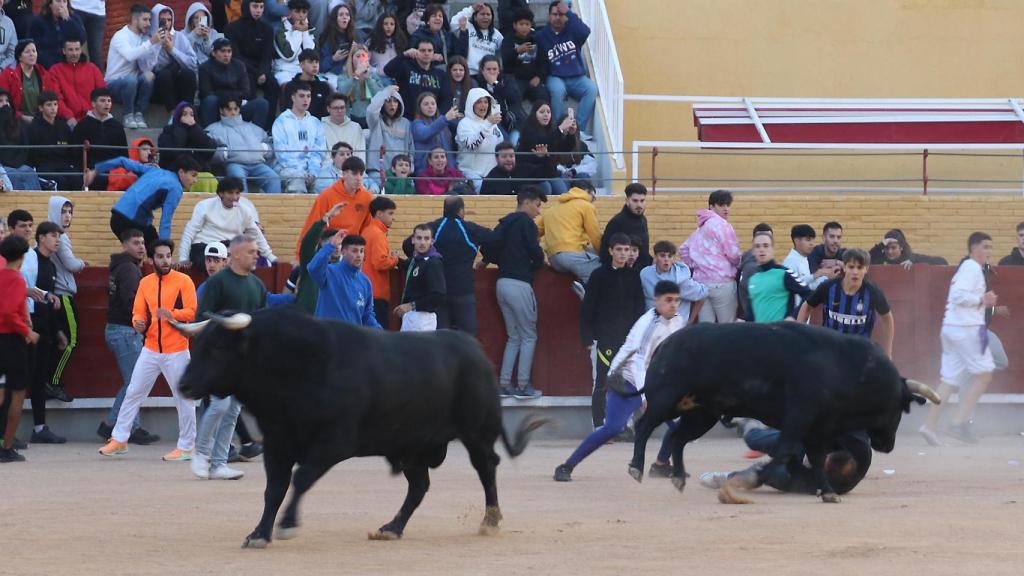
{"x":345,"y":292}
{"x":563,"y":49}
{"x":155,"y":188}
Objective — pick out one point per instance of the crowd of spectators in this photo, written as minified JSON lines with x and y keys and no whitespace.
{"x":264,"y":90}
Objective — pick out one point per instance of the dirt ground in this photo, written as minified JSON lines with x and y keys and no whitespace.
{"x":921,"y":510}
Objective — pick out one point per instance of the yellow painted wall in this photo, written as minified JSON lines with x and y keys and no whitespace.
{"x":814,"y":49}
{"x":936,"y":225}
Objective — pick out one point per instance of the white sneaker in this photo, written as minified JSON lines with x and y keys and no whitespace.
{"x":140,"y":121}
{"x":930,"y":436}
{"x":129,"y":121}
{"x":222,"y":472}
{"x":200,"y":465}
{"x":713,"y":480}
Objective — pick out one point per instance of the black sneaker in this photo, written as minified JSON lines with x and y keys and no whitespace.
{"x":563,"y":473}
{"x":58,"y":393}
{"x":963,"y":433}
{"x":506,"y":391}
{"x":18,"y":444}
{"x":104,"y":431}
{"x":251,"y":450}
{"x":46,"y":436}
{"x":527,"y":393}
{"x":233,"y":455}
{"x":10,"y":455}
{"x":142,"y":437}
{"x":659,"y":470}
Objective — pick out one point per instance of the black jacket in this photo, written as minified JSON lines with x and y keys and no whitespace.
{"x":425,"y":285}
{"x":515,"y":247}
{"x":1015,"y":258}
{"x":45,"y":319}
{"x":318,"y":104}
{"x":229,"y":80}
{"x":613,"y":302}
{"x":56,"y":136}
{"x":109,"y":132}
{"x":628,"y":223}
{"x":457,"y":242}
{"x":531,"y":134}
{"x":18,"y":156}
{"x":125,"y":273}
{"x":253,"y":41}
{"x":179,"y":135}
{"x":498,"y":182}
{"x":506,"y":92}
{"x":413,"y":80}
{"x":525,"y":66}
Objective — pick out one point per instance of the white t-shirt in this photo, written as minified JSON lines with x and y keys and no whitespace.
{"x":963,"y":306}
{"x":96,"y":7}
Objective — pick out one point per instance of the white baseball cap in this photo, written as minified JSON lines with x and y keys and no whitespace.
{"x":216,"y":249}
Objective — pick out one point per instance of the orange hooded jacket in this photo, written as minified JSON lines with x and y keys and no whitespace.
{"x":378,"y":262}
{"x":352,"y":218}
{"x":173,"y":291}
{"x":121,"y":178}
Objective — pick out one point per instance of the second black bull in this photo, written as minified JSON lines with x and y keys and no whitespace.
{"x":811,"y":383}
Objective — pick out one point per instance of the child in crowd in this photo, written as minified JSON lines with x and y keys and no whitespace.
{"x":398,"y":181}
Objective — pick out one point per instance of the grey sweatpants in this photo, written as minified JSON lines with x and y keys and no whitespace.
{"x":579,"y":264}
{"x":519,"y":308}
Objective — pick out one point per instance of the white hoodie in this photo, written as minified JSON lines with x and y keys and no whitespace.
{"x":647,"y":333}
{"x":182,"y":50}
{"x":477,"y":137}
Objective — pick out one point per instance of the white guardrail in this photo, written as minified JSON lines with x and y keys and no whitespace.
{"x":607,"y":71}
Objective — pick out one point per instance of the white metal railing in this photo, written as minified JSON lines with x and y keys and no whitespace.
{"x":607,"y":71}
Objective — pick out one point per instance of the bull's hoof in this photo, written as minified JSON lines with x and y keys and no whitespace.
{"x":492,"y":517}
{"x":287,"y":532}
{"x":831,"y":498}
{"x":727,"y":496}
{"x":636,"y":473}
{"x":488,"y":529}
{"x":258,"y":543}
{"x":679,"y":482}
{"x":383,"y":535}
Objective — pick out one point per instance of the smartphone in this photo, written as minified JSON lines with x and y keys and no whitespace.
{"x":455,"y":103}
{"x":204,"y":22}
{"x":572,"y":113}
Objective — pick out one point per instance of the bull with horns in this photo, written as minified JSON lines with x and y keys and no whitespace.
{"x":813,"y":384}
{"x":324,"y":391}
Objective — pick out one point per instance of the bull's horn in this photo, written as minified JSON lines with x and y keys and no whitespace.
{"x":237,"y":321}
{"x":189,"y":329}
{"x":924,"y":390}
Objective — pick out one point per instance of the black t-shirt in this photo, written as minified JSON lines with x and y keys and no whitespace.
{"x":849,"y":314}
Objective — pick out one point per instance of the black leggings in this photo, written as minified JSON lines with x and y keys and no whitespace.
{"x":119,"y":223}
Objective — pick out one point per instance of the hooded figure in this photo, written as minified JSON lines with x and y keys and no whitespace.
{"x":881,"y":255}
{"x":288,"y":43}
{"x":179,"y":134}
{"x":175,"y":71}
{"x":253,"y":41}
{"x":477,"y":137}
{"x":121,"y":178}
{"x":391,"y":133}
{"x":201,"y":46}
{"x":182,"y":53}
{"x":67,"y":265}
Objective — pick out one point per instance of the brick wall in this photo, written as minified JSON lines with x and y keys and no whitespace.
{"x":935,"y":225}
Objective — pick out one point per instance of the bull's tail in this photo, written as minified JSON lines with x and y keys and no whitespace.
{"x":521,"y":437}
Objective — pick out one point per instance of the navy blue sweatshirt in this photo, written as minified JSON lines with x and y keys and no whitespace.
{"x":564,"y":49}
{"x":457,"y":242}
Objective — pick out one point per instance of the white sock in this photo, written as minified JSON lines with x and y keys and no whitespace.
{"x":39,"y":428}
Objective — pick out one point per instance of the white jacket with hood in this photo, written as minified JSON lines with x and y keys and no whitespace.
{"x":182,"y":51}
{"x":288,"y":44}
{"x":477,"y":137}
{"x":200,"y":46}
{"x":64,"y":259}
{"x":395,"y":135}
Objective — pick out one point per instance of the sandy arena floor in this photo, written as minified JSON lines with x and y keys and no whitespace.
{"x":953,"y":510}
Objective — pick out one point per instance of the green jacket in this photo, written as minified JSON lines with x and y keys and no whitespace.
{"x":308,"y":291}
{"x":396,"y":185}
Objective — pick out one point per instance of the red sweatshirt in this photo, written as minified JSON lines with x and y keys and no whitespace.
{"x":13,"y":312}
{"x":74,"y":84}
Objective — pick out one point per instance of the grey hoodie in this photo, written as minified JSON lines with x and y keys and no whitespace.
{"x":201,"y":46}
{"x":239,"y":142}
{"x":64,"y":260}
{"x":182,"y":50}
{"x":394,"y":135}
{"x":10,"y":38}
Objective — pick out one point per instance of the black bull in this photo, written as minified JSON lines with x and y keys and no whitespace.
{"x":324,"y":391}
{"x":811,"y":383}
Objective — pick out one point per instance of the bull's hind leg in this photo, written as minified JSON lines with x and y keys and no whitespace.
{"x":419,"y":482}
{"x":278,"y":464}
{"x":302,"y":480}
{"x":644,"y":428}
{"x":692,"y":426}
{"x":485,"y":461}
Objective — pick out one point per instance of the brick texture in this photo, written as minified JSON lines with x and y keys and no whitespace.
{"x":935,"y":225}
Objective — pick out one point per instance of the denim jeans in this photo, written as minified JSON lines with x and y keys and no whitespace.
{"x":133,"y":92}
{"x":94,"y":26}
{"x":217,"y":429}
{"x":582,"y":89}
{"x":23,"y":177}
{"x":126,"y":344}
{"x":263,"y":175}
{"x":273,"y":11}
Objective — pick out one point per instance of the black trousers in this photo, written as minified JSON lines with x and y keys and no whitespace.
{"x":382,"y":309}
{"x":173,"y":84}
{"x":597,"y":398}
{"x":458,"y":313}
{"x":119,"y":223}
{"x":14,"y":357}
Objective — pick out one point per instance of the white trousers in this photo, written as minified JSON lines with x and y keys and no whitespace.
{"x":150,"y":365}
{"x":414,"y":321}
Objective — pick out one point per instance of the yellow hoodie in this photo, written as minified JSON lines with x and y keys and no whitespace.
{"x":570,"y":225}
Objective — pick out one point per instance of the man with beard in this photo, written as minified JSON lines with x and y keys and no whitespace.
{"x":631,"y":222}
